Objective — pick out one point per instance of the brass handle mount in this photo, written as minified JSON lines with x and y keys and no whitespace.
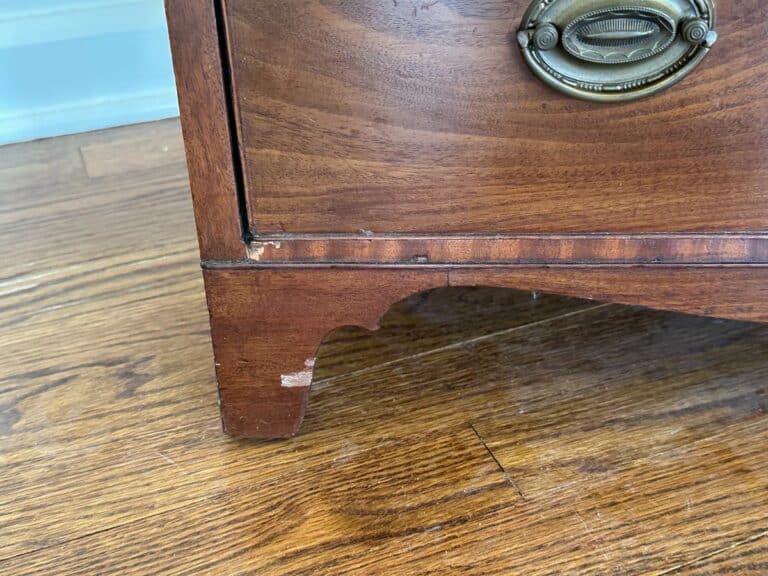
{"x":609,"y":51}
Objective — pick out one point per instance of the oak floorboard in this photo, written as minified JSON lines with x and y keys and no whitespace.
{"x":332,"y":513}
{"x":631,"y":440}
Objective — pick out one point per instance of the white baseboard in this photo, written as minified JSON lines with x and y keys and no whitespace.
{"x":88,"y":115}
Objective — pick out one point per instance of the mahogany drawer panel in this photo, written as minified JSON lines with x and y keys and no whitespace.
{"x":422,"y":117}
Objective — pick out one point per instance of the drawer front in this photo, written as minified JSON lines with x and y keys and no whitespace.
{"x":422,"y":117}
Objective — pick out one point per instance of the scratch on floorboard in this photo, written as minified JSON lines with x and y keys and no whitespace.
{"x":712,"y":554}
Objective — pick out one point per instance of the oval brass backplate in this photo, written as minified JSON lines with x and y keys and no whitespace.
{"x":608,"y":50}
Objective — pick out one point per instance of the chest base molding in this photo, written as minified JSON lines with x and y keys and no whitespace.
{"x":267,"y":323}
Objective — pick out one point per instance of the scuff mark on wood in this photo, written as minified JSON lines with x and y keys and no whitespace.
{"x":301,"y":379}
{"x":256,"y":249}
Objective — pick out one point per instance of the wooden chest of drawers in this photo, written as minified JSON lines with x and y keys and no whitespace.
{"x":344,"y":154}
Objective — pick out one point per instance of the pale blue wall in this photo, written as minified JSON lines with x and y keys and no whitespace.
{"x":74,"y":65}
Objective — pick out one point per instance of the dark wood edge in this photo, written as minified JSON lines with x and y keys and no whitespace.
{"x":738,"y":292}
{"x":523,"y":249}
{"x":207,"y":127}
{"x":734,"y":292}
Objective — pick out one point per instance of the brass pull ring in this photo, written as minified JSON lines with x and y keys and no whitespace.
{"x":609,"y":51}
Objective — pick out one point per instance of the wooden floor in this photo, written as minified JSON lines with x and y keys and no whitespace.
{"x":479,"y":432}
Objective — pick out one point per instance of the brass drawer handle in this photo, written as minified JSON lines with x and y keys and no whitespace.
{"x":608,"y":51}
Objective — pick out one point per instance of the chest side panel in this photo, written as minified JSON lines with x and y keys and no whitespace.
{"x":421,"y":117}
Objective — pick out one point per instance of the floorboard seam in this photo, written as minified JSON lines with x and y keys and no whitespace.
{"x":68,"y":541}
{"x":507,"y":477}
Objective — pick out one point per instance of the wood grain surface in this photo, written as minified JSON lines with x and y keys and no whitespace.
{"x":479,"y":431}
{"x":421,"y":117}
